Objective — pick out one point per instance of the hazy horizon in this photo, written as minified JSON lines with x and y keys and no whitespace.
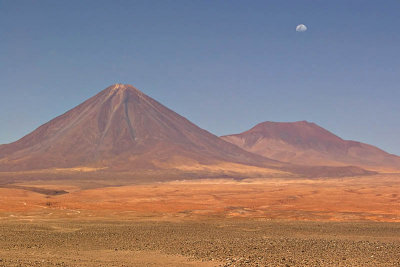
{"x":226,"y":66}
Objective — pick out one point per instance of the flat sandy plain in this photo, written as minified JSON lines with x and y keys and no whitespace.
{"x":350,"y":221}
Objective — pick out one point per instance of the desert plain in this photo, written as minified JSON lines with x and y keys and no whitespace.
{"x":346,"y":221}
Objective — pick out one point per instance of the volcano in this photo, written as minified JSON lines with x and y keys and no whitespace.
{"x":306,"y":143}
{"x":122,"y":129}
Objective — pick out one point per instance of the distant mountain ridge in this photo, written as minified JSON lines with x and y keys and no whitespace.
{"x":306,"y":143}
{"x":123,"y":131}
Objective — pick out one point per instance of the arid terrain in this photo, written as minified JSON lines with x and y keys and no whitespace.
{"x":371,"y":198}
{"x":351,"y":221}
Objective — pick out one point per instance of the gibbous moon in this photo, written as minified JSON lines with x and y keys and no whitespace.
{"x":301,"y":28}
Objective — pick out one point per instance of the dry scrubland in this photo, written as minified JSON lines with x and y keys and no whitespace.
{"x":222,"y":222}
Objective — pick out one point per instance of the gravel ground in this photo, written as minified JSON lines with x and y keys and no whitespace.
{"x":214,"y":242}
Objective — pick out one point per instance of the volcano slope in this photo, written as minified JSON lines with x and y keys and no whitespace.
{"x":306,"y":143}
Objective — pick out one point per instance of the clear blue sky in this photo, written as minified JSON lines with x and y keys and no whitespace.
{"x":225,"y":65}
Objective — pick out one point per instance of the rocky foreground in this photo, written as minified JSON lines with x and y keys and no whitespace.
{"x":210,"y":242}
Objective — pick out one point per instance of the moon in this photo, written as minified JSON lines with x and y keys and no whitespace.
{"x":301,"y":28}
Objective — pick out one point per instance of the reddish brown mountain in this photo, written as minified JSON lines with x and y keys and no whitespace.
{"x":307,"y":143}
{"x":121,"y":129}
